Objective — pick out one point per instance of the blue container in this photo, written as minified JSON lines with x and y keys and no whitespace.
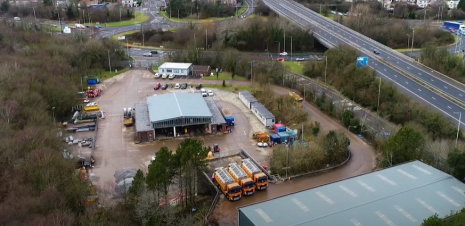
{"x":91,"y":82}
{"x":274,"y":138}
{"x":292,"y":134}
{"x":284,"y":137}
{"x":281,"y":129}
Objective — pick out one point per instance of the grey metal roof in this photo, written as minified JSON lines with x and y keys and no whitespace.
{"x":403,"y":195}
{"x":177,"y":105}
{"x":262,"y":109}
{"x":248,"y":96}
{"x":142,"y":118}
{"x":218,"y":118}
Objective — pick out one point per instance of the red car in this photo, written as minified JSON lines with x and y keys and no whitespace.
{"x":281,"y":59}
{"x":128,"y":46}
{"x":157,"y":86}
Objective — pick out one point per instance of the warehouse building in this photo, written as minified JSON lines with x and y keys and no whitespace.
{"x":218,"y":123}
{"x":403,"y":195}
{"x":177,"y":114}
{"x":143,"y":127}
{"x":178,"y":69}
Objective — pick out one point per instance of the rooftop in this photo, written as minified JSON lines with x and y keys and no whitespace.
{"x":142,"y":118}
{"x":177,"y":105}
{"x":248,"y":96}
{"x":403,"y":195}
{"x":218,"y":118}
{"x":262,"y":109}
{"x":175,"y":65}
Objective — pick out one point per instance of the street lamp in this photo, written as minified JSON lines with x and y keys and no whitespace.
{"x":279,"y":46}
{"x":379,"y":93}
{"x":326,"y":67}
{"x":458,"y":127}
{"x":251,"y":71}
{"x":408,"y":41}
{"x":291,"y":48}
{"x":413,"y":38}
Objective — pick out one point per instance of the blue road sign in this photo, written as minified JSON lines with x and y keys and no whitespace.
{"x":362,"y":62}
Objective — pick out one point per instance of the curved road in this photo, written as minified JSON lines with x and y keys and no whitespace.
{"x":363,"y":161}
{"x":335,"y":34}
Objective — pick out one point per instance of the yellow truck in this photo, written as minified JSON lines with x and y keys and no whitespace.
{"x":230,"y":189}
{"x":298,"y":99}
{"x":247,"y":185}
{"x":128,"y":117}
{"x":91,"y":108}
{"x":258,"y":177}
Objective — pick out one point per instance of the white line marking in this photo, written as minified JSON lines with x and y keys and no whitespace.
{"x":366,"y":186}
{"x":406,"y":174}
{"x":459,"y":190}
{"x":408,"y":68}
{"x":324,"y":197}
{"x":384,"y":69}
{"x":386,"y":219}
{"x":355,"y":222}
{"x":406,"y":82}
{"x":426,"y":205}
{"x":405,"y":213}
{"x":263,"y":215}
{"x":460,"y":95}
{"x":445,"y":87}
{"x":421,"y":169}
{"x":348,"y":191}
{"x":433,"y":98}
{"x":397,"y":62}
{"x":419,"y":73}
{"x":395,"y":76}
{"x":301,"y":205}
{"x":387,"y":180}
{"x":444,"y":196}
{"x":419,"y":90}
{"x":432,"y":80}
{"x":449,"y":107}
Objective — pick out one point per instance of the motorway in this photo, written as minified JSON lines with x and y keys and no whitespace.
{"x":334,"y":34}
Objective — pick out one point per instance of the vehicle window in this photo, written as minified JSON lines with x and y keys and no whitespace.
{"x":249,"y":185}
{"x":235,"y":190}
{"x":262,"y":179}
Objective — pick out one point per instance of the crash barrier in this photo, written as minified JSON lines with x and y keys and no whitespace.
{"x":215,"y":200}
{"x":349,"y":156}
{"x":246,"y":155}
{"x":224,"y":154}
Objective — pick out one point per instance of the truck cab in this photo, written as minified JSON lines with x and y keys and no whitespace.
{"x":247,"y":184}
{"x":230,"y":189}
{"x":259,"y":178}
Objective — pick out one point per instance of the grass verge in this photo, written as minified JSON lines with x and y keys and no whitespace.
{"x":224,"y":76}
{"x":174,"y":18}
{"x":140,"y":18}
{"x":241,"y":10}
{"x":296,"y":67}
{"x":230,"y":88}
{"x":107,"y":74}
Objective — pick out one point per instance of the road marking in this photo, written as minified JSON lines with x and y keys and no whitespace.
{"x":421,"y":169}
{"x":366,"y":186}
{"x":387,"y":180}
{"x":459,"y":190}
{"x":432,"y":80}
{"x":301,"y":205}
{"x":406,"y":174}
{"x":419,"y":90}
{"x":397,"y":62}
{"x":355,"y":222}
{"x":263,"y":215}
{"x":426,"y":205}
{"x":460,"y":95}
{"x":449,"y":107}
{"x":433,"y":98}
{"x":395,"y":76}
{"x":385,"y":69}
{"x":406,"y":82}
{"x":419,"y":73}
{"x":444,"y":196}
{"x":445,"y":87}
{"x":405,"y":213}
{"x":408,"y":68}
{"x":386,"y":219}
{"x":324,"y":197}
{"x":348,"y":191}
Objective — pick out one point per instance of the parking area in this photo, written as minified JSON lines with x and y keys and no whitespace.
{"x":115,"y":147}
{"x":79,"y":143}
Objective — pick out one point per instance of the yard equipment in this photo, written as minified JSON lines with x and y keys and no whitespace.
{"x":216,"y":148}
{"x":227,"y":116}
{"x":127,"y":117}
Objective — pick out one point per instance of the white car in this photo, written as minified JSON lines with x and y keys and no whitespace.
{"x":210,"y":93}
{"x":149,"y":54}
{"x":164,"y":76}
{"x":262,"y":144}
{"x":203,"y":92}
{"x":177,"y":86}
{"x":283,"y":54}
{"x":172,"y":76}
{"x":157,"y":75}
{"x":299,"y":59}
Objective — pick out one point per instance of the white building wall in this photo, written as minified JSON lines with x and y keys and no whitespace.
{"x":175,"y":71}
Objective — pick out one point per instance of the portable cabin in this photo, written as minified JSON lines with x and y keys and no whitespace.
{"x":284,"y":137}
{"x":263,"y":115}
{"x":247,"y":98}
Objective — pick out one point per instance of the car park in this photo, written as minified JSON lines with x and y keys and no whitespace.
{"x":283,"y":54}
{"x":157,"y":86}
{"x":184,"y":86}
{"x":177,"y":86}
{"x":299,"y":59}
{"x":149,"y":54}
{"x":198,"y":86}
{"x":157,"y":75}
{"x":210,"y":93}
{"x":164,"y":86}
{"x":164,"y":76}
{"x":172,"y":76}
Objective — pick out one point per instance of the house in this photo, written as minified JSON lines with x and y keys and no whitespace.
{"x":178,"y":69}
{"x":201,"y":70}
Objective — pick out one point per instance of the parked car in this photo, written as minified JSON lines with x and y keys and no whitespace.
{"x":280,"y":59}
{"x":149,"y":54}
{"x":198,"y":86}
{"x":172,"y":76}
{"x":177,"y":86}
{"x":154,"y":52}
{"x":164,"y":76}
{"x":157,"y":86}
{"x":262,"y":144}
{"x":127,"y":46}
{"x":157,"y":75}
{"x":164,"y":86}
{"x":184,"y":86}
{"x":203,"y":92}
{"x":210,"y":93}
{"x":299,"y":59}
{"x":376,"y":52}
{"x":283,"y":54}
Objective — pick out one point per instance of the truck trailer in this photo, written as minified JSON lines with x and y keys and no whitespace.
{"x":451,"y":24}
{"x":230,"y":189}
{"x":247,"y":185}
{"x":259,"y":178}
{"x":227,"y":116}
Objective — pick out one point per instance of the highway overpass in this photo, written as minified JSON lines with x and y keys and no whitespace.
{"x":416,"y":80}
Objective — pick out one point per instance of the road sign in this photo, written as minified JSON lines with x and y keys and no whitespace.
{"x":362,"y":62}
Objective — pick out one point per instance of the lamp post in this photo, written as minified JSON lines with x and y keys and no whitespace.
{"x":279,"y":46}
{"x":291,"y":48}
{"x":458,"y":128}
{"x":326,"y":67}
{"x":413,"y":38}
{"x":379,"y":93}
{"x":109,"y":61}
{"x":408,"y":41}
{"x":251,"y":71}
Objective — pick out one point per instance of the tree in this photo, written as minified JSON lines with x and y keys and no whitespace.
{"x":160,"y":171}
{"x":48,"y":2}
{"x":137,"y":186}
{"x":456,"y":160}
{"x":5,"y":6}
{"x":461,"y":5}
{"x":405,"y":145}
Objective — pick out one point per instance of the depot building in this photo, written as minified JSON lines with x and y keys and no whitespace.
{"x":177,"y":115}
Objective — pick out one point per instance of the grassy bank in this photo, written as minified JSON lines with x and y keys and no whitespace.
{"x":140,"y":18}
{"x":224,"y":76}
{"x":296,"y":67}
{"x":107,"y":74}
{"x":174,"y":18}
{"x":230,"y":88}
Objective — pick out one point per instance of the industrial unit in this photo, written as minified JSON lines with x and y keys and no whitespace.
{"x":218,"y":123}
{"x":144,"y":129}
{"x":402,"y":195}
{"x":177,"y":69}
{"x":247,"y":98}
{"x":265,"y":116}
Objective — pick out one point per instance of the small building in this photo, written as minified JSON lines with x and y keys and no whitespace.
{"x":218,"y":122}
{"x":402,"y":195}
{"x":143,"y":127}
{"x":247,"y":98}
{"x":265,"y":116}
{"x":178,"y":69}
{"x":176,"y":114}
{"x":201,"y":70}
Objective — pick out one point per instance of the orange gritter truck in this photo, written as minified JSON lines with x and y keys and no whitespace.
{"x":247,"y":185}
{"x":259,"y":178}
{"x":230,"y":189}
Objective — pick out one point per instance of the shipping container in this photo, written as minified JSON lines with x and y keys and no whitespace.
{"x":276,"y":126}
{"x":284,"y":137}
{"x":265,"y":116}
{"x":275,"y":139}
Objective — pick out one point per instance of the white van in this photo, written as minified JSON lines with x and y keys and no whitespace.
{"x":203,"y":92}
{"x":16,"y":18}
